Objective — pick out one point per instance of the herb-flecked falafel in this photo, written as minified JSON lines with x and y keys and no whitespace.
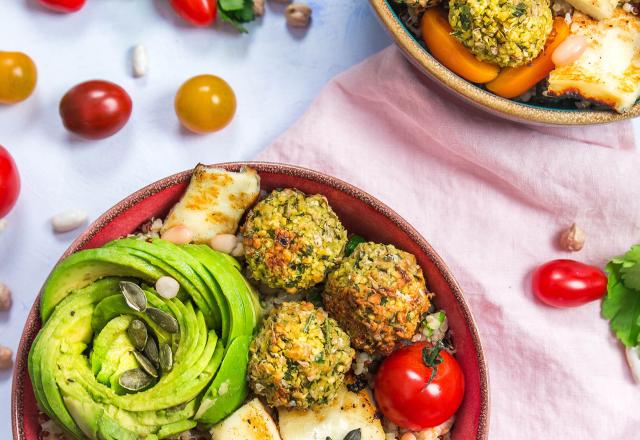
{"x":292,"y":240}
{"x":299,"y":358}
{"x":377,"y":295}
{"x":508,"y":33}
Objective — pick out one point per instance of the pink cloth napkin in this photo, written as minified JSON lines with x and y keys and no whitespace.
{"x":491,"y":197}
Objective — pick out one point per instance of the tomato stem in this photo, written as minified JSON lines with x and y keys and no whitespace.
{"x":431,"y":358}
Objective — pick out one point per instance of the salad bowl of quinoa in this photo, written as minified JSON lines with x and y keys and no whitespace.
{"x":250,"y":301}
{"x":547,"y":62}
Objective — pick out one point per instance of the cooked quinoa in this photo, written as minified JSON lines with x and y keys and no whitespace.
{"x":378,"y":295}
{"x":299,"y":358}
{"x":292,"y":240}
{"x":503,"y":32}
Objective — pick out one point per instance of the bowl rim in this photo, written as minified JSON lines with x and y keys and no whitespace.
{"x":479,"y":97}
{"x":28,"y":333}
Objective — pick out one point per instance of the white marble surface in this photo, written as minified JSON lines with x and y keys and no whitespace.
{"x":274,"y":71}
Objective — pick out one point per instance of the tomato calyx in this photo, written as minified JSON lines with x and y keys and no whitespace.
{"x":431,"y":358}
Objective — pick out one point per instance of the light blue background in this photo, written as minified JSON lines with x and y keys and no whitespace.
{"x":275,"y":72}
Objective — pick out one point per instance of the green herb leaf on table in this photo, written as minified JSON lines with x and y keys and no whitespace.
{"x":621,"y":306}
{"x":236,"y":12}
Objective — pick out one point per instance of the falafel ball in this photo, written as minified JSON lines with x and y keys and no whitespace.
{"x":292,"y":240}
{"x":508,"y":33}
{"x":299,"y":358}
{"x":377,"y":295}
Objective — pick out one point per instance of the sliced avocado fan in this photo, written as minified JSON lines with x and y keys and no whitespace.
{"x":90,"y":373}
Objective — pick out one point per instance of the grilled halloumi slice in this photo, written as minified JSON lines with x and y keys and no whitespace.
{"x":608,"y":72}
{"x":214,"y":202}
{"x":347,"y":412}
{"x":598,"y":9}
{"x":249,"y":422}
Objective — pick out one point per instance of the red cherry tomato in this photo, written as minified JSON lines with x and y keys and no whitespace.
{"x":95,"y":109}
{"x":197,"y":12}
{"x":409,"y":396}
{"x":568,"y":283}
{"x":9,"y":182}
{"x":63,"y":5}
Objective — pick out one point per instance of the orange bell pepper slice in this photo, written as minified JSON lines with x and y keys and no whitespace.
{"x":436,"y":34}
{"x":514,"y":81}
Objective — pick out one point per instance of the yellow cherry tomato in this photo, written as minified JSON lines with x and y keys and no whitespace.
{"x":205,"y":103}
{"x":18,"y":76}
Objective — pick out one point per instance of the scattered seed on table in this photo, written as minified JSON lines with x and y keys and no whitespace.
{"x":298,"y":15}
{"x":139,"y":61}
{"x":5,"y":358}
{"x":5,"y":297}
{"x":68,"y":220}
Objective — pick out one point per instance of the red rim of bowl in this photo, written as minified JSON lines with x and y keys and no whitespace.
{"x":28,"y":334}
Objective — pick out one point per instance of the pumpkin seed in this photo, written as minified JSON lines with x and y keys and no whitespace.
{"x":151,"y":351}
{"x":134,"y":295}
{"x":146,"y":364}
{"x":138,"y":334}
{"x":356,"y":434}
{"x":135,"y":380}
{"x":166,"y":357}
{"x":163,"y":319}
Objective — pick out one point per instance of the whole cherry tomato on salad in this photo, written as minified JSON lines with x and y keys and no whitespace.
{"x":18,"y":77}
{"x":419,"y":386}
{"x":63,"y":5}
{"x":197,"y":12}
{"x":205,"y":103}
{"x":568,"y":283}
{"x":9,"y":182}
{"x":95,"y":109}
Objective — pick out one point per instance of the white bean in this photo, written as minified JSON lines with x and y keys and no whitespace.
{"x":225,"y":243}
{"x":68,"y":220}
{"x":178,"y":235}
{"x":238,"y":251}
{"x":140,"y":61}
{"x":167,"y":287}
{"x":408,"y":436}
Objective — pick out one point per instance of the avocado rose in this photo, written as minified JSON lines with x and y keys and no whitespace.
{"x":115,"y":360}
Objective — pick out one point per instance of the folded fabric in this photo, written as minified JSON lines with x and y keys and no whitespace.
{"x":491,"y":197}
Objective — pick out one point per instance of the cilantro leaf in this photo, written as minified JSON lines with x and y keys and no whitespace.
{"x":631,"y":268}
{"x":622,"y":305}
{"x":236,"y":12}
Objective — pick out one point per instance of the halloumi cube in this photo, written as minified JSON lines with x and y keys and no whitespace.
{"x":347,"y":412}
{"x":598,"y":9}
{"x":214,"y":202}
{"x":249,"y":422}
{"x":608,"y":72}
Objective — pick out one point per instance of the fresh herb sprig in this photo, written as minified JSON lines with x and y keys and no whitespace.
{"x":236,"y":12}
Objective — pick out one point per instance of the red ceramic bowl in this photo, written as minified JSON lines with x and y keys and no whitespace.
{"x":359,"y":212}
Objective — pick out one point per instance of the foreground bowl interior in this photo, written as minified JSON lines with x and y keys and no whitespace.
{"x":359,"y":212}
{"x":478,"y":97}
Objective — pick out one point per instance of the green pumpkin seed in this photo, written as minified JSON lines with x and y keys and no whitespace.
{"x":166,"y":357}
{"x":163,"y":319}
{"x":146,"y":364}
{"x":356,"y":434}
{"x":151,"y":351}
{"x":134,"y":295}
{"x":138,"y":334}
{"x":135,"y":380}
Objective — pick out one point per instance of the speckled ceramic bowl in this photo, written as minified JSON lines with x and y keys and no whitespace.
{"x":359,"y":212}
{"x":477,"y":96}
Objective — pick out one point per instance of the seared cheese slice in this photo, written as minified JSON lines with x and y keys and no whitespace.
{"x":347,"y":412}
{"x":214,"y":202}
{"x":608,"y":72}
{"x":249,"y":422}
{"x":598,"y":9}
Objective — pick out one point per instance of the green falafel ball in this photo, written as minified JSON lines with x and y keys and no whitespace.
{"x":508,"y":33}
{"x":377,"y":295}
{"x":299,"y":358}
{"x":292,"y":240}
